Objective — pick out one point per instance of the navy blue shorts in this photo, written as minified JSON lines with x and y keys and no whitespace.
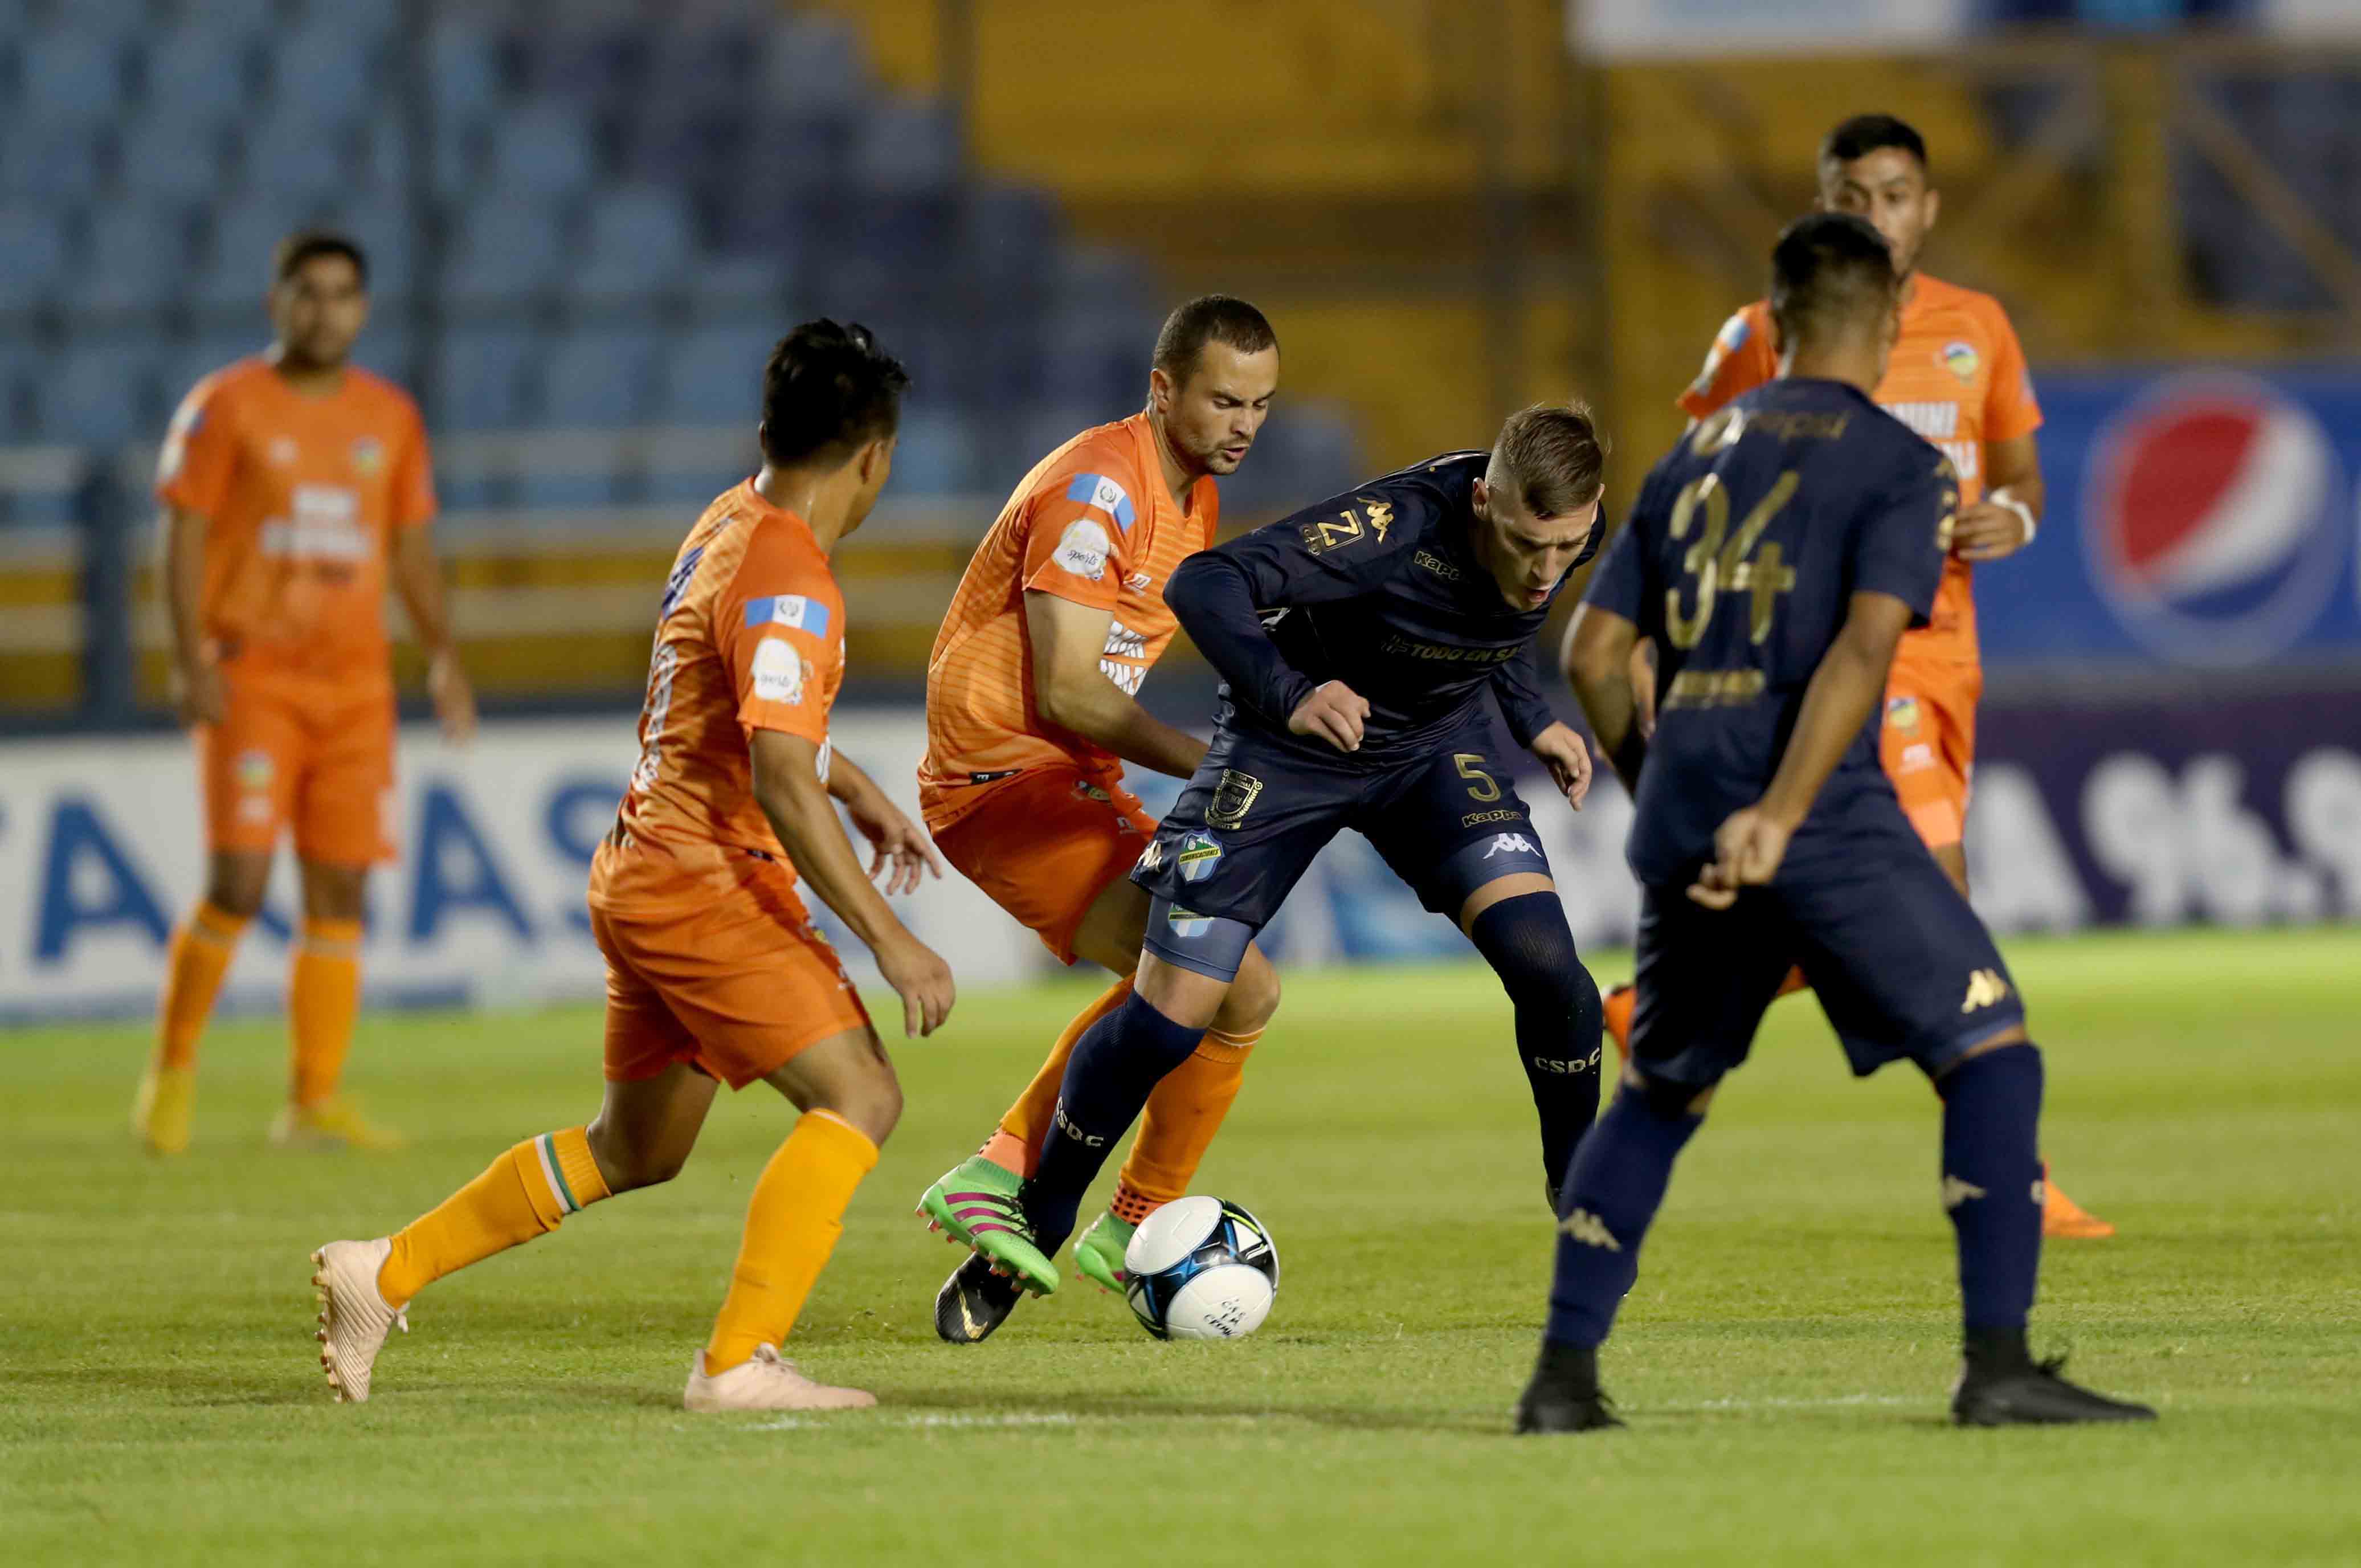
{"x":1254,"y":814}
{"x":1902,"y":966}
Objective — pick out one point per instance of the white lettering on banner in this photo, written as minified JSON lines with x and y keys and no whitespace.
{"x":2023,"y":876}
{"x":2190,"y":847}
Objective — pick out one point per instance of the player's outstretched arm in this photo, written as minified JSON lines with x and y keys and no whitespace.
{"x":196,"y":679}
{"x":899,"y":842}
{"x":2004,"y":521}
{"x":1846,"y":687}
{"x":1073,"y":692}
{"x":788,"y":788}
{"x":418,"y":579}
{"x":1598,"y":661}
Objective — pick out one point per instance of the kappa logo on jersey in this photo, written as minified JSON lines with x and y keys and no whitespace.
{"x":797,"y":610}
{"x":2214,"y":516}
{"x":1098,"y":490}
{"x":1956,"y":1192}
{"x":1985,"y":988}
{"x":1960,"y":359}
{"x":778,"y":672}
{"x":1152,"y":858}
{"x":1199,"y":853}
{"x":1590,"y":1230}
{"x":1083,"y":548}
{"x":1510,"y":844}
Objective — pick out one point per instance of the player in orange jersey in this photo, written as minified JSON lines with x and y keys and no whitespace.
{"x":1958,"y":378}
{"x":1031,"y":714}
{"x":714,"y":972}
{"x":293,"y":484}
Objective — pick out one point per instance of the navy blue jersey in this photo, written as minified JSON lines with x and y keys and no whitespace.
{"x":1740,"y":561}
{"x":1380,"y":588}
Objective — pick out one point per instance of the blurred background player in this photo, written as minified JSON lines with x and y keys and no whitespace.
{"x":714,"y":974}
{"x":291,"y":482}
{"x":1958,"y":378}
{"x":1356,"y":640}
{"x":1776,"y":556}
{"x":1032,"y":711}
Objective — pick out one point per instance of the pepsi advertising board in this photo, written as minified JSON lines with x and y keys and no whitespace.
{"x":2199,"y":518}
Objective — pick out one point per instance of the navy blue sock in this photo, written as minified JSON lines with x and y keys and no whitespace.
{"x":1117,"y":1064}
{"x":1612,"y":1192}
{"x":1526,"y":941}
{"x":1991,"y":1179}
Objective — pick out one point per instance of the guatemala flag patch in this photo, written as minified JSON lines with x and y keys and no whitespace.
{"x":1098,"y":490}
{"x":789,"y":609}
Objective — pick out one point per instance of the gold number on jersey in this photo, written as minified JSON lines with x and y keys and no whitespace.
{"x":1482,"y":785}
{"x":1721,"y":560}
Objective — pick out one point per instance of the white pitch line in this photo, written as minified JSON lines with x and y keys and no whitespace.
{"x":1010,"y":1418}
{"x":1841,"y":1401}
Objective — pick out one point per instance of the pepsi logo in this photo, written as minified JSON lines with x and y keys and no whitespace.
{"x":2212,"y":520}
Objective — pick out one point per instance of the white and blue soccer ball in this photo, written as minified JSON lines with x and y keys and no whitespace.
{"x":1201,"y":1268}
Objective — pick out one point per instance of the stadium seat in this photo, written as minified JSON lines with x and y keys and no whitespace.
{"x":199,"y":75}
{"x":812,"y":61}
{"x":160,"y":157}
{"x":69,"y":79}
{"x":132,"y":257}
{"x":463,"y":74}
{"x":482,"y":373}
{"x":246,"y":18}
{"x":386,"y":349}
{"x":713,"y":375}
{"x":32,"y":257}
{"x":931,"y":458}
{"x":544,"y":150}
{"x":236,"y":272}
{"x":726,"y":285}
{"x":507,"y":248}
{"x":599,"y":378}
{"x":587,"y":57}
{"x":100,"y":395}
{"x":637,"y":241}
{"x":43,"y":164}
{"x":298,"y":159}
{"x":383,"y":229}
{"x":906,"y":147}
{"x":325,"y":67}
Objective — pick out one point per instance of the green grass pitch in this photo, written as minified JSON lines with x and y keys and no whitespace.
{"x":1784,"y":1361}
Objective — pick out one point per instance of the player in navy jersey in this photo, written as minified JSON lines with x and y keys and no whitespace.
{"x":1776,"y":556}
{"x":1363,"y":645}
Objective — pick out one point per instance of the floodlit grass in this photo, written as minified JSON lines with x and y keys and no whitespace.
{"x":1784,"y":1361}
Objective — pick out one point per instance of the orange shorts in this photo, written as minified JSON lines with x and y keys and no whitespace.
{"x":1928,"y":743}
{"x":1045,"y":845}
{"x":315,"y":756}
{"x":718,"y":966}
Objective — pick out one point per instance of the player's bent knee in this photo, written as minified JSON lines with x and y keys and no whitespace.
{"x":235,"y":883}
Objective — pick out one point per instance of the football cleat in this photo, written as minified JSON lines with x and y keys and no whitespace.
{"x":1615,"y":1012}
{"x":159,"y":1113}
{"x":976,"y":1300}
{"x":1564,"y":1395}
{"x":975,"y":1204}
{"x":2064,"y":1218}
{"x":1099,"y":1254}
{"x":332,"y":1124}
{"x":2031,"y":1393}
{"x":763,"y":1382}
{"x":355,"y":1316}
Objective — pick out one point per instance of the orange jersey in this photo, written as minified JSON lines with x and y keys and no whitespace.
{"x":1092,"y":523}
{"x":750,"y":636}
{"x":301,"y":497}
{"x":1957,"y":376}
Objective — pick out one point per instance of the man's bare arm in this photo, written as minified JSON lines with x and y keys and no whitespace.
{"x":1597,"y":662}
{"x":1072,"y":693}
{"x":196,"y":684}
{"x":2004,"y":522}
{"x":418,"y":577}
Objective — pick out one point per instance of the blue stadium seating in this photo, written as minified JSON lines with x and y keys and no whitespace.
{"x":236,"y":272}
{"x":544,"y":150}
{"x":481,"y":375}
{"x":382,"y":226}
{"x":507,"y":249}
{"x":713,"y":375}
{"x":132,"y":257}
{"x":69,"y":78}
{"x":600,"y":379}
{"x":50,"y":165}
{"x":32,"y":255}
{"x":638,"y":241}
{"x":199,"y":75}
{"x":813,"y":62}
{"x":298,"y":158}
{"x":160,"y":157}
{"x":101,"y":393}
{"x":323,"y":66}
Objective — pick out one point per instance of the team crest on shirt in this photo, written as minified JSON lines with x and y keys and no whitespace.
{"x":1198,"y":855}
{"x":778,"y":672}
{"x":1960,"y":358}
{"x":1902,"y":713}
{"x":369,"y":457}
{"x":254,"y":770}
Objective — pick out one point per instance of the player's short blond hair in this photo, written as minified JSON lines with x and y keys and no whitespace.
{"x":1550,"y":456}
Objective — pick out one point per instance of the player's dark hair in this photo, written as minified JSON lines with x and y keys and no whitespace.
{"x":826,"y":389}
{"x":1552,"y":458}
{"x":1831,"y":272}
{"x":1865,"y":133}
{"x":289,"y":255}
{"x":1209,"y":318}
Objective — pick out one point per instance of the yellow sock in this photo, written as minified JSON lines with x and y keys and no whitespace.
{"x":1183,"y":1114}
{"x":324,"y":997}
{"x":1018,"y":1143}
{"x":201,"y":949}
{"x":522,"y":1194}
{"x":792,"y":1224}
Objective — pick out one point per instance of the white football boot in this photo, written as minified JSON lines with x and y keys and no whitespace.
{"x":354,"y":1316}
{"x":764,"y":1383}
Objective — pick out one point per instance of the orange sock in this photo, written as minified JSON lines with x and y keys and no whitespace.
{"x":1183,"y":1114}
{"x":324,"y":997}
{"x":201,"y":949}
{"x":522,"y":1194}
{"x":1792,"y":984}
{"x":792,"y":1224}
{"x":1016,"y":1146}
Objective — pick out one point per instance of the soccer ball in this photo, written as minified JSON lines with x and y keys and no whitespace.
{"x":1201,"y":1268}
